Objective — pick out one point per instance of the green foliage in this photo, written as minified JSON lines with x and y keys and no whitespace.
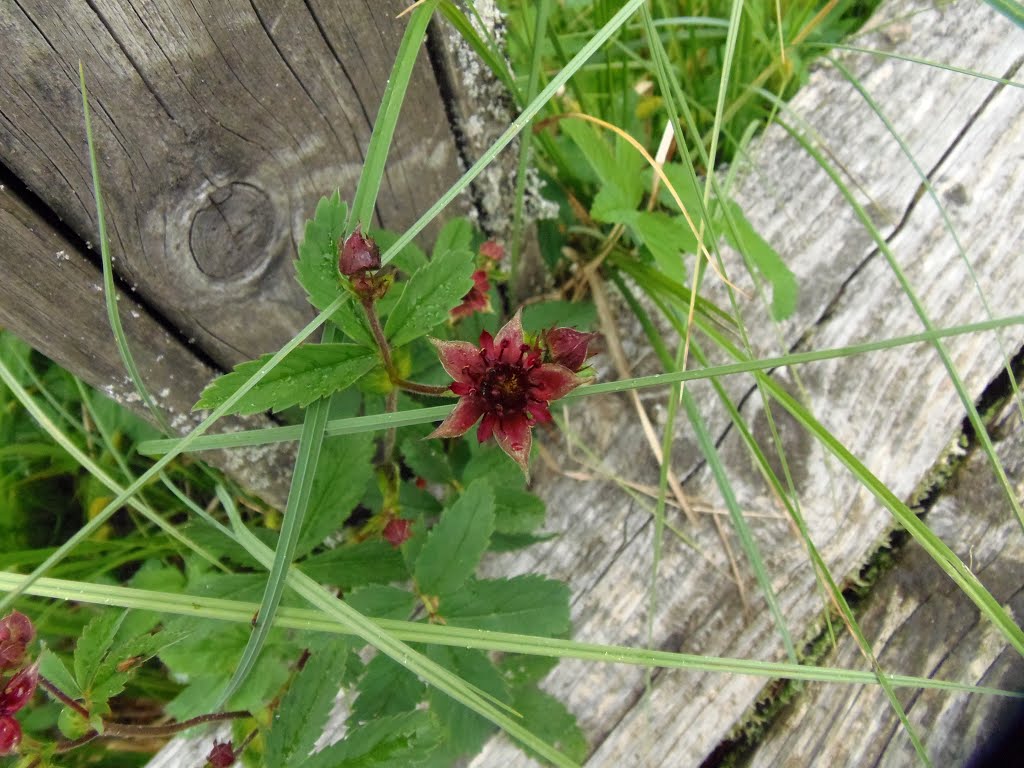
{"x":456,"y":543}
{"x":309,"y":373}
{"x":429,"y":295}
{"x":306,"y":705}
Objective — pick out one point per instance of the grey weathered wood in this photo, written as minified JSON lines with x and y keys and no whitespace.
{"x":920,"y":624}
{"x":895,"y":410}
{"x":219,"y":125}
{"x":54,"y":298}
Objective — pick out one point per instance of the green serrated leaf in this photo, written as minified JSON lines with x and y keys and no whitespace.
{"x":747,"y":241}
{"x":427,"y":459}
{"x":489,"y":462}
{"x":343,"y":470}
{"x":387,"y":688}
{"x":455,"y":545}
{"x":369,"y":562}
{"x":317,"y":265}
{"x":549,"y":314}
{"x":309,"y":373}
{"x":465,"y":731}
{"x":547,"y":717}
{"x":455,"y":235}
{"x":530,"y":604}
{"x":510,"y":542}
{"x":300,"y":718}
{"x":518,"y":511}
{"x":521,"y":669}
{"x":53,"y":669}
{"x":391,"y":742}
{"x":93,"y":645}
{"x":408,"y":260}
{"x":382,"y":602}
{"x":430,"y":293}
{"x":666,"y":237}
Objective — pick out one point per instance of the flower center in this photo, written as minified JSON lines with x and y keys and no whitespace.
{"x":505,"y":387}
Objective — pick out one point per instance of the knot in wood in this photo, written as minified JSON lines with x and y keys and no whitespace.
{"x":232,"y":234}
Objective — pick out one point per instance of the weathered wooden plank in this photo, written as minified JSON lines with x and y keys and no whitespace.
{"x":219,"y":126}
{"x":896,"y":410}
{"x":52,"y":296}
{"x":920,"y":624}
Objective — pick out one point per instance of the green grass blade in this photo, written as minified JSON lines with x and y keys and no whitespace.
{"x":407,"y":418}
{"x":947,"y":222}
{"x":947,"y":361}
{"x":915,"y":60}
{"x":521,"y":122}
{"x":109,"y":290}
{"x":1011,"y":9}
{"x":307,"y":619}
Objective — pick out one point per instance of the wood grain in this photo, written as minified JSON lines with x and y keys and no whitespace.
{"x":920,"y":624}
{"x":43,"y":271}
{"x":219,"y":125}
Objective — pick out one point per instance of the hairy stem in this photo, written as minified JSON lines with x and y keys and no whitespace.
{"x":423,"y":389}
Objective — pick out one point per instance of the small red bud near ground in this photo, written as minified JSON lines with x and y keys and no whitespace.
{"x":358,"y":254}
{"x":421,"y":483}
{"x":10,"y":735}
{"x":397,"y":531}
{"x":221,"y":756}
{"x":493,"y":250}
{"x":18,"y":690}
{"x":16,"y":632}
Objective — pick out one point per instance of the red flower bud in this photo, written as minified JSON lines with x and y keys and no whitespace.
{"x":477,"y":300}
{"x":568,"y":346}
{"x":19,"y":690}
{"x":358,"y":254}
{"x":10,"y":735}
{"x":397,"y":531}
{"x":221,"y":756}
{"x":16,"y":632}
{"x":492,"y":250}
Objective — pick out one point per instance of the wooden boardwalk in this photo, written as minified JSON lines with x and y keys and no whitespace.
{"x":895,"y":410}
{"x":207,"y":196}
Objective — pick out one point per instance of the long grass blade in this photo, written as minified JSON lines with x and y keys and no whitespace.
{"x":407,"y":418}
{"x":307,"y":619}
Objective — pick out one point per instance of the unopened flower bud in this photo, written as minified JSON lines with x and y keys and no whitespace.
{"x":492,"y":250}
{"x":568,"y":347}
{"x":358,"y":254}
{"x":10,"y":735}
{"x":19,"y":689}
{"x":221,"y":756}
{"x":16,"y":632}
{"x":397,"y":531}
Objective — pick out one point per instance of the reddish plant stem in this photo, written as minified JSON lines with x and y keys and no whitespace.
{"x":379,"y":337}
{"x":126,"y":731}
{"x":423,"y":389}
{"x":63,"y":697}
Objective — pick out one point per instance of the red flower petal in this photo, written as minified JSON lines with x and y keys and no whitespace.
{"x":492,"y":250}
{"x":510,"y":339}
{"x":397,"y":531}
{"x":466,"y":412}
{"x":539,"y":411}
{"x":515,"y":439}
{"x":487,"y":426}
{"x":550,"y":381}
{"x":460,"y":359}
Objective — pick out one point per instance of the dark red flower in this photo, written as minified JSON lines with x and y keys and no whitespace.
{"x":10,"y":735}
{"x":397,"y":531}
{"x":477,"y":300}
{"x":16,"y":632}
{"x":505,"y":382}
{"x":568,"y":347}
{"x":492,"y":250}
{"x":358,"y":254}
{"x":221,"y":756}
{"x":18,"y":690}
